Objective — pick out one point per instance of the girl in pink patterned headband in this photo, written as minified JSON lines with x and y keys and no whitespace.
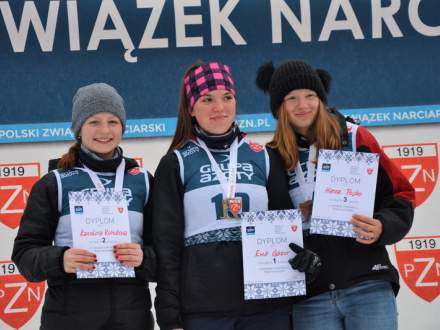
{"x":197,"y":201}
{"x":205,"y":78}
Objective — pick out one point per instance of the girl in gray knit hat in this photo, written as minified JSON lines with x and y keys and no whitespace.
{"x":97,"y":274}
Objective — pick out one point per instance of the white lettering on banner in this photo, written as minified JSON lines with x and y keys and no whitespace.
{"x":331,"y":24}
{"x":381,"y":17}
{"x":147,"y":39}
{"x":19,"y":133}
{"x":371,"y":117}
{"x":385,"y":14}
{"x":302,"y":28}
{"x":416,"y":22}
{"x":421,"y":114}
{"x":72,"y":19}
{"x":108,"y":9}
{"x":145,"y":128}
{"x":253,"y":123}
{"x":219,"y":19}
{"x":183,"y":20}
{"x":56,"y":131}
{"x":378,"y":117}
{"x":30,"y":16}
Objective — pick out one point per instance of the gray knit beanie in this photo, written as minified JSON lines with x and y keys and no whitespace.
{"x":94,"y":98}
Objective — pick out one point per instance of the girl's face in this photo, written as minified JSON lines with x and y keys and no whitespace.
{"x":101,"y":134}
{"x":215,"y":111}
{"x":302,"y":107}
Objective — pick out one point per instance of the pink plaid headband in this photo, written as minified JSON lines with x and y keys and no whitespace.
{"x":207,"y":77}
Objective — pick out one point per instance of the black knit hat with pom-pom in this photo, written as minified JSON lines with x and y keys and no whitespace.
{"x":291,"y":75}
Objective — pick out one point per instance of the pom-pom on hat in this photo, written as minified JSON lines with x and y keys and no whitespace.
{"x":92,"y":99}
{"x":291,"y":75}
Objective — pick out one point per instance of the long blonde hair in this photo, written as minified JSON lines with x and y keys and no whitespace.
{"x":325,"y":132}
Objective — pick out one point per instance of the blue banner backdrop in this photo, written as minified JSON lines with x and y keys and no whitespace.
{"x":383,"y":56}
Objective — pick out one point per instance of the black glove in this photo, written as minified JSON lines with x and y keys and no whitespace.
{"x":305,"y":261}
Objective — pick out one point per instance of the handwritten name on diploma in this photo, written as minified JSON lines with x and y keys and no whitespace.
{"x":349,"y":192}
{"x":275,"y":253}
{"x":99,"y":233}
{"x":271,"y":241}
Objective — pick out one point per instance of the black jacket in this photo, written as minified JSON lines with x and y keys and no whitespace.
{"x":38,"y":259}
{"x":346,"y":262}
{"x":205,"y":279}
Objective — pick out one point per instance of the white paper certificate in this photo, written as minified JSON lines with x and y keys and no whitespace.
{"x":345,"y":184}
{"x":265,"y":238}
{"x":99,"y":220}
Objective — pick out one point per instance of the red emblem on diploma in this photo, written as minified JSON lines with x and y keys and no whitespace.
{"x":369,"y":171}
{"x":419,"y":163}
{"x":121,"y":210}
{"x":418,"y":260}
{"x":19,"y":299}
{"x":16,"y":181}
{"x":294,"y":228}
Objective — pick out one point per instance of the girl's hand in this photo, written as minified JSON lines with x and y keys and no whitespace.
{"x":129,"y":254}
{"x":78,"y":259}
{"x":368,"y":229}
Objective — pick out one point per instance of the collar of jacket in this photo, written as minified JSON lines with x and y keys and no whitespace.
{"x":222,"y":141}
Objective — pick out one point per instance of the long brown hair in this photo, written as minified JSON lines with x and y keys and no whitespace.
{"x":185,"y":122}
{"x":70,"y":159}
{"x":325,"y":132}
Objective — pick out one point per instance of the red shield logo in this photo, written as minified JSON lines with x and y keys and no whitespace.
{"x":134,"y":171}
{"x":419,"y":164}
{"x":19,"y":299}
{"x":256,"y":147}
{"x":369,"y":171}
{"x":418,"y":260}
{"x":121,"y":210}
{"x":16,"y":181}
{"x":294,"y":228}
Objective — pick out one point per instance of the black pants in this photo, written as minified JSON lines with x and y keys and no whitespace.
{"x":97,"y":306}
{"x":276,"y":320}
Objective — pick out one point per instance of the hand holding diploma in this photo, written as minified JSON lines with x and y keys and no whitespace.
{"x":78,"y":259}
{"x":305,"y":261}
{"x":368,"y":229}
{"x":129,"y":254}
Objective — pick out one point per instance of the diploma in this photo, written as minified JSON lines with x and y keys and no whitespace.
{"x":345,"y":184}
{"x":265,"y":240}
{"x":99,"y":220}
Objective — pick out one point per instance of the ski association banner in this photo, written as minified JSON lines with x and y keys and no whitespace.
{"x":383,"y":56}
